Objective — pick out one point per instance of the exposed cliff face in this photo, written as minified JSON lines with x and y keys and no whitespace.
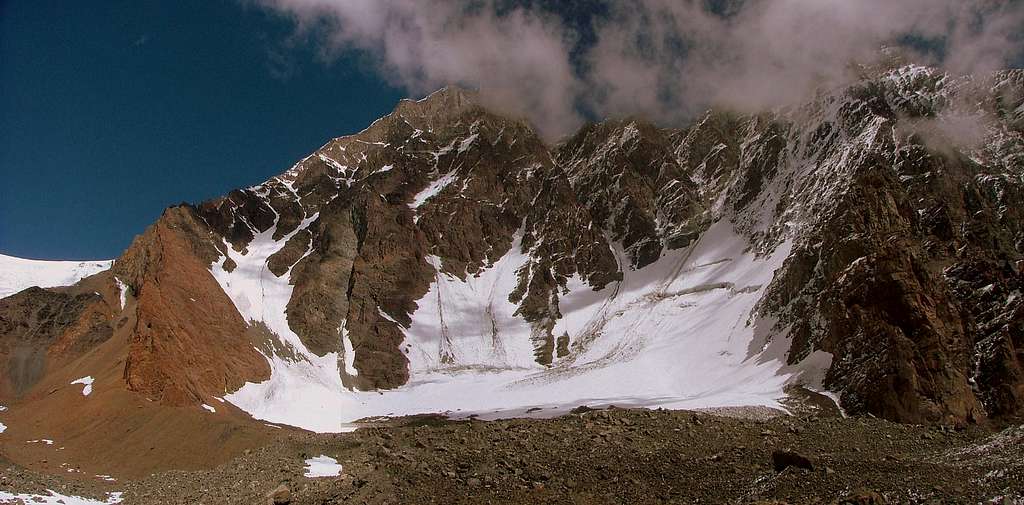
{"x":885,"y":274}
{"x":187,"y":343}
{"x":857,"y":243}
{"x":631,"y":182}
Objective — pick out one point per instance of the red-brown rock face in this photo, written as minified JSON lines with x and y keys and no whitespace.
{"x":187,"y":342}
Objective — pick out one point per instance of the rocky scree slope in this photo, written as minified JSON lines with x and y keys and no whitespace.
{"x":858,"y":243}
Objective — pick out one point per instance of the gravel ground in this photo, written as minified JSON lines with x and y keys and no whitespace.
{"x":611,"y":456}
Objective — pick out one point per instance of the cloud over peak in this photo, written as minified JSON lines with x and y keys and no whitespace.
{"x":665,"y":60}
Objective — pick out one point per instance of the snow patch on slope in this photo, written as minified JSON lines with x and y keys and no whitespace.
{"x":87,"y":382}
{"x":322,"y":466}
{"x":350,"y":352}
{"x":432,"y":189}
{"x":122,"y":291}
{"x":55,"y":498}
{"x":257,"y":293}
{"x":17,"y":274}
{"x":676,"y":334}
{"x":467,"y":142}
{"x":300,"y":383}
{"x":471,"y":323}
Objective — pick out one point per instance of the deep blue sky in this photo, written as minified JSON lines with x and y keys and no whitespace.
{"x":111,"y":111}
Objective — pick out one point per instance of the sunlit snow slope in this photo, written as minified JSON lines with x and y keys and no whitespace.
{"x":17,"y":274}
{"x":680,"y":333}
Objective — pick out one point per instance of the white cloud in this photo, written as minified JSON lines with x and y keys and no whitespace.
{"x":663,"y":59}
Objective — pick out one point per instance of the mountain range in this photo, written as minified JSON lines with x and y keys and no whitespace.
{"x":864,"y":247}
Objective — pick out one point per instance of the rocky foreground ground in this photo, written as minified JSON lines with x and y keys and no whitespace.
{"x":605,"y":456}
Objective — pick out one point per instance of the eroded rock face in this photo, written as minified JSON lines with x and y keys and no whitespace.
{"x":188,"y":341}
{"x":629,"y":179}
{"x":907,"y":274}
{"x":388,"y":275}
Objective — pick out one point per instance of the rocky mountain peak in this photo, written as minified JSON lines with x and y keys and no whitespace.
{"x":443,"y":193}
{"x":448,"y":101}
{"x":446,"y":252}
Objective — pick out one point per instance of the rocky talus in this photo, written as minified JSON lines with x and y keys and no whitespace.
{"x":605,"y":457}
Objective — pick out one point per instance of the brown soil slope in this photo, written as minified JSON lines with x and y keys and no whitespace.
{"x":178,"y":342}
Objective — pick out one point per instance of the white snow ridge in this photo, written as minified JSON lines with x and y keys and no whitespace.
{"x":17,"y":274}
